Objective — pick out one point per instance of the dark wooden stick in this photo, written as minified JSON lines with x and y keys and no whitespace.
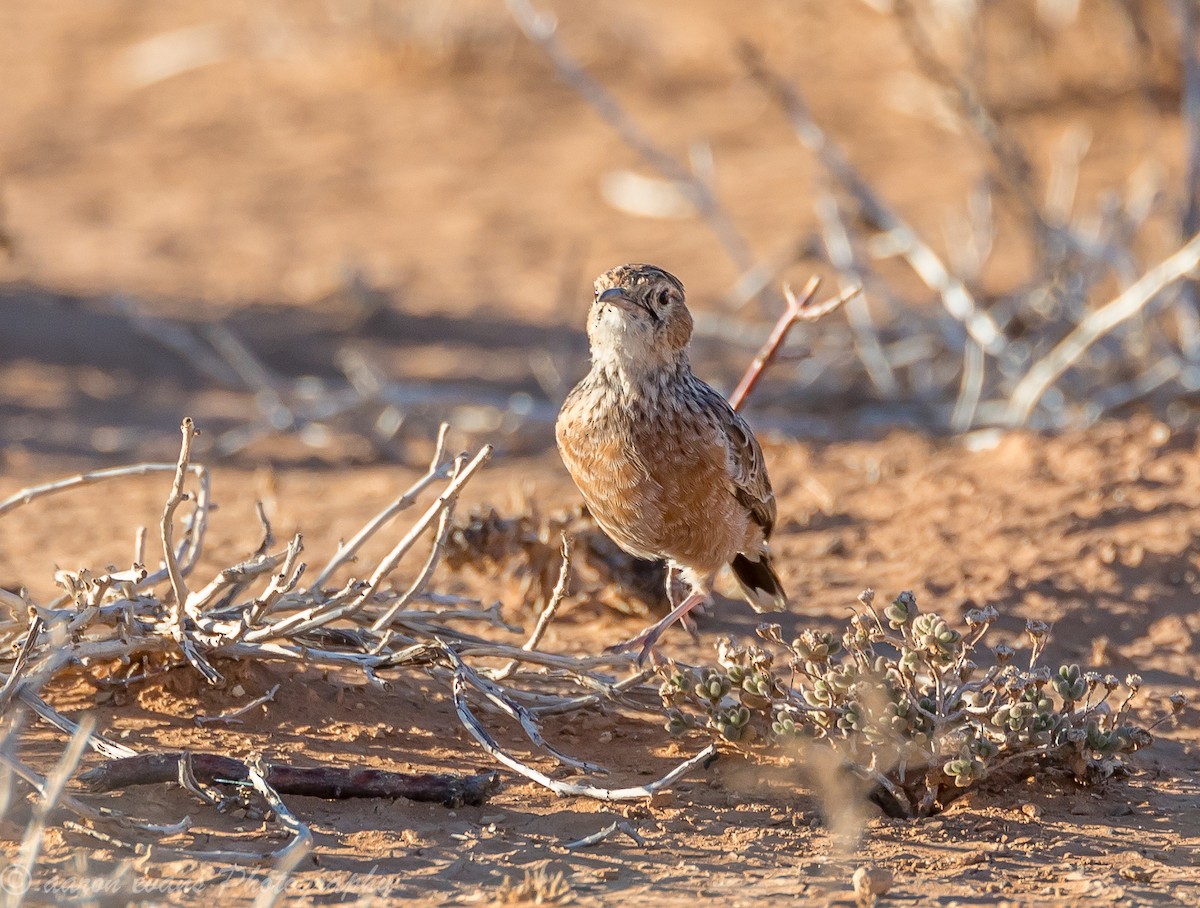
{"x":330,"y":782}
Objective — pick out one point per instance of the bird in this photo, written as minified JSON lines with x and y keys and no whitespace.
{"x":665,"y":466}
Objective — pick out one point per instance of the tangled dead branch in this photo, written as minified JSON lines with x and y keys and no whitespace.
{"x":119,"y":627}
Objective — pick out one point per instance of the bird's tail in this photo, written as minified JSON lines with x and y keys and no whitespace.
{"x":759,"y":582}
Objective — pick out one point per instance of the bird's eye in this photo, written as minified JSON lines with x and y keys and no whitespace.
{"x":664,"y":297}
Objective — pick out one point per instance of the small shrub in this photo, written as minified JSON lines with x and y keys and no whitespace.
{"x":900,"y":698}
{"x":538,"y":887}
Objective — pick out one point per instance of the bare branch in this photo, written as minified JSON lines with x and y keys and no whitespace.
{"x":1094,"y":326}
{"x":488,"y":743}
{"x":903,"y":240}
{"x":798,"y":310}
{"x":540,"y":28}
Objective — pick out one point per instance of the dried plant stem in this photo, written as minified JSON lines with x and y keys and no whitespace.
{"x":528,"y":722}
{"x":1095,"y":325}
{"x":611,"y":829}
{"x":25,"y":496}
{"x":431,"y":560}
{"x":234,"y":716}
{"x":438,"y":469}
{"x":540,"y":29}
{"x":94,"y":740}
{"x":179,"y":614}
{"x":903,"y":240}
{"x":798,"y":310}
{"x":488,"y":743}
{"x":302,"y":840}
{"x":330,"y":782}
{"x":552,"y":605}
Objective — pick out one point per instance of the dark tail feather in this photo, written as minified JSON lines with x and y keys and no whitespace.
{"x":759,"y":582}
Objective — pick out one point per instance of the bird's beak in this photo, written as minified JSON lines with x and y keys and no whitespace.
{"x":614,"y":295}
{"x":617,"y":297}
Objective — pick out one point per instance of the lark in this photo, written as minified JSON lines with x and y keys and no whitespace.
{"x":664,"y":464}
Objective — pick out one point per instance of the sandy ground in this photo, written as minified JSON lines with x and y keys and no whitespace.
{"x":1095,"y":533}
{"x":233,"y":160}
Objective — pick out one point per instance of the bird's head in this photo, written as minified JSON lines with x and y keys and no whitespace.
{"x":638,"y":317}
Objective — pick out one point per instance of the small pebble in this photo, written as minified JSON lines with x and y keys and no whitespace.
{"x":238,"y":691}
{"x":870,"y":881}
{"x":663,"y":798}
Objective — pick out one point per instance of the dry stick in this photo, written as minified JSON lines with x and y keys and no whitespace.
{"x":1166,"y":369}
{"x":295,"y":851}
{"x":95,"y":741}
{"x":139,"y":848}
{"x":858,"y":314}
{"x":237,"y":575}
{"x":548,"y":613}
{"x":188,"y":781}
{"x":529,"y":725}
{"x":139,"y":546}
{"x":265,"y":522}
{"x":540,"y":29}
{"x":798,"y":310}
{"x":320,"y":614}
{"x":955,"y":297}
{"x":178,"y":584}
{"x":597,"y":837}
{"x":431,"y":560}
{"x":253,"y":374}
{"x":970,"y":388}
{"x":16,"y":676}
{"x":1096,"y":324}
{"x":282,"y":583}
{"x":176,"y":498}
{"x":437,"y":470}
{"x":1013,"y":163}
{"x":610,"y":692}
{"x":25,"y":496}
{"x":233,"y":715}
{"x":566,"y":789}
{"x":447,"y":498}
{"x":175,"y":337}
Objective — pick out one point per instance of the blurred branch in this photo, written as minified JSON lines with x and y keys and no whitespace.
{"x":842,"y":256}
{"x":1188,"y":305}
{"x":1094,"y":326}
{"x":903,"y":240}
{"x":1011,"y":159}
{"x":541,"y":29}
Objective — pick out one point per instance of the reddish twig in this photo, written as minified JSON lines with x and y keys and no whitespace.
{"x":798,"y":310}
{"x":331,"y":782}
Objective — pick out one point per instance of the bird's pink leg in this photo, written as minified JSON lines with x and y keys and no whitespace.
{"x":673,"y":580}
{"x":646,"y":639}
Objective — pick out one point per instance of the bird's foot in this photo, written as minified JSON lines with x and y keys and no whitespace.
{"x":645,"y":644}
{"x":646,"y":640}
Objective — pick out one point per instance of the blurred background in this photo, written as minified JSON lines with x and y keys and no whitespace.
{"x":321,"y":226}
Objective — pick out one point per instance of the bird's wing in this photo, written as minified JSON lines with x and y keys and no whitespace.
{"x":745,"y":464}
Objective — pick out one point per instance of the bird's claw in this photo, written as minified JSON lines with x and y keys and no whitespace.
{"x":646,"y":645}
